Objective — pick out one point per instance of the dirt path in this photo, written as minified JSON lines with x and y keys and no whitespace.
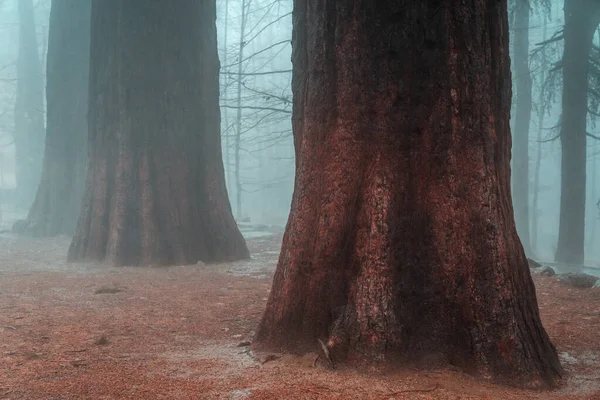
{"x":97,"y":332}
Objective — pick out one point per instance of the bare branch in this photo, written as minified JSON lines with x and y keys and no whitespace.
{"x":283,"y":99}
{"x":592,"y":136}
{"x":549,"y":140}
{"x":265,"y":27}
{"x":257,"y":53}
{"x":283,"y":71}
{"x":559,"y":35}
{"x":556,"y":67}
{"x":259,"y":108}
{"x":592,"y":112}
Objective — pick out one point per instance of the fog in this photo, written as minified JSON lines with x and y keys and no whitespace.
{"x":263,"y":97}
{"x":258,"y":105}
{"x":255,"y":112}
{"x":10,"y":25}
{"x":185,"y":322}
{"x":545,"y":24}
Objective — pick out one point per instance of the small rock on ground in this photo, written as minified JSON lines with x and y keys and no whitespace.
{"x":578,"y":280}
{"x":544,"y":271}
{"x":547,"y":271}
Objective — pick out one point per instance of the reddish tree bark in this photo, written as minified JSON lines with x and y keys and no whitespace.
{"x":581,"y":19}
{"x":155,"y":190}
{"x":401,"y":244}
{"x":59,"y":194}
{"x":523,"y":99}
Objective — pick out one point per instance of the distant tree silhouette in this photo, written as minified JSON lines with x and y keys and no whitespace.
{"x":56,"y":205}
{"x":155,"y":190}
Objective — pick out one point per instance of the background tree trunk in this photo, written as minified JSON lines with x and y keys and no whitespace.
{"x":401,"y":244}
{"x":535,"y":212}
{"x":58,"y":199}
{"x":227,"y":151}
{"x":592,"y":242}
{"x":581,"y":20}
{"x":155,"y":190}
{"x":523,"y":86}
{"x":29,"y":109}
{"x":238,"y":126}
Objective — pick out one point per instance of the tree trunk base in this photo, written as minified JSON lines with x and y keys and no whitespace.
{"x":347,"y":344}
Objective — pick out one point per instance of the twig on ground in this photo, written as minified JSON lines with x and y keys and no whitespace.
{"x":76,"y":362}
{"x":9,"y":327}
{"x":75,"y":351}
{"x":415,"y":390}
{"x":101,"y":341}
{"x":269,"y":357}
{"x":108,"y":290}
{"x":326,"y":353}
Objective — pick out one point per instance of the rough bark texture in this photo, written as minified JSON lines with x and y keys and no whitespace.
{"x":523,"y":98}
{"x":29,"y":109}
{"x":401,"y":244}
{"x":58,"y":199}
{"x":581,"y":19}
{"x":155,"y":192}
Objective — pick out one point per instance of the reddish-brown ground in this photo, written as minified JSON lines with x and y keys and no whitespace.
{"x":173,"y":333}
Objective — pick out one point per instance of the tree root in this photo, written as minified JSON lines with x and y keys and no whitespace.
{"x":325,"y":351}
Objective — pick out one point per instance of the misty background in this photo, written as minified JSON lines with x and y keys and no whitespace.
{"x":256,"y":104}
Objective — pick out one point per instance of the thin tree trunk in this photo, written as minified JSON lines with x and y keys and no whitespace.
{"x":43,"y":55}
{"x":401,"y":244}
{"x":580,"y":24}
{"x":238,"y":129}
{"x":225,"y":114}
{"x":595,"y":216}
{"x":522,"y":119}
{"x":155,"y":192}
{"x":29,"y":109}
{"x":58,"y":198}
{"x":595,"y":196}
{"x":538,"y":158}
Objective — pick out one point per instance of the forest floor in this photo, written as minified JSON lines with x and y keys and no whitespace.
{"x":89,"y":331}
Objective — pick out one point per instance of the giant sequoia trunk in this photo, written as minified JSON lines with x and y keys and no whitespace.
{"x":155,"y":191}
{"x":58,"y":199}
{"x":581,"y":20}
{"x":29,"y":109}
{"x":522,"y":118}
{"x":401,"y":244}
